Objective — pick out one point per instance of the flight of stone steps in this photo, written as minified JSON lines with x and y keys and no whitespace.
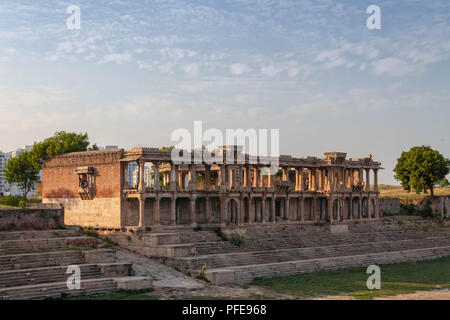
{"x":276,"y":250}
{"x":34,"y":265}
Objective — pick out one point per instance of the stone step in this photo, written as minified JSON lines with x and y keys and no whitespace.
{"x":36,"y":234}
{"x":58,"y":289}
{"x":261,"y":257}
{"x":14,"y":278}
{"x":55,"y":258}
{"x":45,"y":244}
{"x":245,"y":274}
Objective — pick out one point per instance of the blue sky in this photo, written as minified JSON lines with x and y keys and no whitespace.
{"x":137,"y":70}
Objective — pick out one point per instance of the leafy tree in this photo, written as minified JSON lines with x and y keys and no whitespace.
{"x":443,"y":183}
{"x":421,"y":168}
{"x":21,"y":170}
{"x":93,"y":148}
{"x":62,"y":142}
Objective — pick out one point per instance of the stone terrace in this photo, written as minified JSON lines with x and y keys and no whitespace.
{"x":33,"y":265}
{"x":276,"y":250}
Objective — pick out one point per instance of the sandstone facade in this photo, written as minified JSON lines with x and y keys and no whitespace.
{"x":94,"y":190}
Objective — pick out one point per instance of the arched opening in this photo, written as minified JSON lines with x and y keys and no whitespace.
{"x":182,"y":211}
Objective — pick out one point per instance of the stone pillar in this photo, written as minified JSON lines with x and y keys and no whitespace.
{"x":285,"y":173}
{"x":222,"y":177}
{"x":256,"y":177}
{"x":223,"y":210}
{"x":173,"y":177}
{"x":313,"y":179}
{"x":248,"y":172}
{"x":193,"y":213}
{"x":251,"y":210}
{"x":272,"y":213}
{"x":375,"y":180}
{"x":156,"y":166}
{"x":302,"y":218}
{"x":330,"y":210}
{"x":263,"y":209}
{"x":208,"y":209}
{"x":173,"y":208}
{"x":301,"y":179}
{"x":350,"y":210}
{"x":330,"y":180}
{"x":287,"y":209}
{"x":141,"y":176}
{"x":367,"y":179}
{"x":193,"y":178}
{"x":141,"y":210}
{"x":352,"y":178}
{"x":360,"y":209}
{"x":377,"y":208}
{"x":156,"y":211}
{"x":261,"y":178}
{"x":207,"y":177}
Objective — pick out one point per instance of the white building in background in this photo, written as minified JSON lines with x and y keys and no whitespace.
{"x":5,"y":187}
{"x":108,"y":148}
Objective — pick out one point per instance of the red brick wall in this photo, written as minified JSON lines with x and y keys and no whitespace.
{"x":59,"y":179}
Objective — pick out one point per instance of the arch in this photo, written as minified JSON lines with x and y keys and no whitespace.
{"x":307,"y":208}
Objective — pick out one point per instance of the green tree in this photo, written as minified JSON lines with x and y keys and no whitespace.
{"x":93,"y":148}
{"x":21,"y":170}
{"x":421,"y":168}
{"x":444,"y":183}
{"x":62,"y":142}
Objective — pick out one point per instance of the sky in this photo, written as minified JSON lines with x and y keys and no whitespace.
{"x":137,"y":70}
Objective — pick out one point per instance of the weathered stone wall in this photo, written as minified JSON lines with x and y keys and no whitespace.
{"x":31,"y":218}
{"x":440,"y":206}
{"x":60,"y":184}
{"x":389,"y":205}
{"x":98,"y":212}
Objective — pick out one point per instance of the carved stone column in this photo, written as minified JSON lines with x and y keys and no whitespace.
{"x":141,"y":210}
{"x":207,"y":177}
{"x":367,"y":179}
{"x":156,"y":210}
{"x":141,"y":176}
{"x":173,"y":208}
{"x":156,"y":166}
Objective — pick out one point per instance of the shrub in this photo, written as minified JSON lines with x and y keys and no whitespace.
{"x":11,"y":201}
{"x":237,"y":239}
{"x":220,"y":234}
{"x":90,"y":232}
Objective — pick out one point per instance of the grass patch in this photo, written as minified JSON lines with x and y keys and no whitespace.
{"x":396,"y":279}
